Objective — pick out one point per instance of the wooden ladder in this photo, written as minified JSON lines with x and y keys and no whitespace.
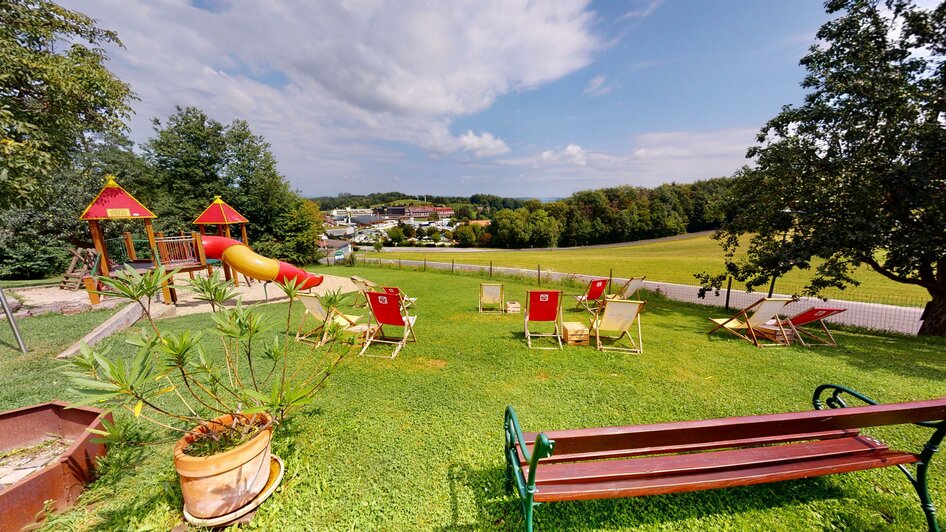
{"x":81,"y":265}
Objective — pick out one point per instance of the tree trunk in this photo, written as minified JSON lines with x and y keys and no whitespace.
{"x":935,"y":322}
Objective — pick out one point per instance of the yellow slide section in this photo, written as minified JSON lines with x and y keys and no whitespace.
{"x":244,"y":260}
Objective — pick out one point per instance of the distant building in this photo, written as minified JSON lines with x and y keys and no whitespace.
{"x":340,"y":231}
{"x":425,"y":211}
{"x":391,"y":210}
{"x":348,"y":212}
{"x":335,"y":249}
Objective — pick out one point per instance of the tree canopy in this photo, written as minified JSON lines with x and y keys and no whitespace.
{"x":856,"y":174}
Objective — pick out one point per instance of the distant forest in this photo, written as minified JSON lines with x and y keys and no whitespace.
{"x":601,"y":216}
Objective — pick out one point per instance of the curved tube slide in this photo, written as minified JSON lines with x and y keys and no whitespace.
{"x":251,"y":264}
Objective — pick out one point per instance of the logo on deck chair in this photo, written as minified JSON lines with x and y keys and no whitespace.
{"x":543,"y":297}
{"x":599,"y":284}
{"x":383,"y":300}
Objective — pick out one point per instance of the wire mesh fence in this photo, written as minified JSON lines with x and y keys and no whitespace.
{"x":883,"y":312}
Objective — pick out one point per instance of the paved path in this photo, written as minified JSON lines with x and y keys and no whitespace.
{"x":892,"y":318}
{"x":595,"y":246}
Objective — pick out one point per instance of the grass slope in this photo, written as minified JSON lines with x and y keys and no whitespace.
{"x":416,"y":443}
{"x":672,"y":261}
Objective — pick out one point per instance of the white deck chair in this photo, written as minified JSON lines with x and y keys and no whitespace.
{"x":631,"y":289}
{"x":492,"y":298}
{"x":364,"y":286}
{"x":619,"y":315}
{"x":315,"y":310}
{"x":747,"y":326}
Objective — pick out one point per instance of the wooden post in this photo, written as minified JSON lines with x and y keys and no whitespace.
{"x":246,"y":239}
{"x":200,"y":227}
{"x":98,"y":238}
{"x":452,"y":264}
{"x":490,"y":269}
{"x":226,"y":229}
{"x":130,"y":247}
{"x":610,"y":278}
{"x":728,"y":288}
{"x":538,"y":274}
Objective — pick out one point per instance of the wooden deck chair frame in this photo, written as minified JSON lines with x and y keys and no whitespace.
{"x":557,"y":321}
{"x":313,"y":306}
{"x":762,"y":311}
{"x":595,"y":285}
{"x":363,"y":285}
{"x":376,"y":328}
{"x":499,"y":300}
{"x":408,"y":302}
{"x":601,"y":323}
{"x":630,"y":291}
{"x":799,"y":331}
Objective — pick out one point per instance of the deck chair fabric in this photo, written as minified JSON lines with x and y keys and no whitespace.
{"x":395,"y":291}
{"x":593,"y":295}
{"x":618,"y":315}
{"x":751,"y":327}
{"x":364,"y":286}
{"x":544,"y":306}
{"x":316,"y":312}
{"x":630,"y":291}
{"x":492,"y":298}
{"x":388,"y":310}
{"x":813,"y":315}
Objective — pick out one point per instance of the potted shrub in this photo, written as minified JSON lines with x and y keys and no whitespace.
{"x":224,"y":411}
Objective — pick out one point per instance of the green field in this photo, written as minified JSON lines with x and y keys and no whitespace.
{"x":416,"y":443}
{"x":671,"y":261}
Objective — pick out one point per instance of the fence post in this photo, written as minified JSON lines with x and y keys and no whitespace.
{"x":425,"y":264}
{"x":610,"y":278}
{"x":490,"y":269}
{"x":399,"y":264}
{"x":728,"y":289}
{"x":452,"y":264}
{"x":772,"y":286}
{"x":538,"y":272}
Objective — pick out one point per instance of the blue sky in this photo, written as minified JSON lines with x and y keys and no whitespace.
{"x":505,"y":97}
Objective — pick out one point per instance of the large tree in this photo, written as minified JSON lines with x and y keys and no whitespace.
{"x":856,"y":174}
{"x":54,"y":92}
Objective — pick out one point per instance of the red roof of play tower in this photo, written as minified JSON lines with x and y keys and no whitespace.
{"x":220,"y":213}
{"x":115,"y":203}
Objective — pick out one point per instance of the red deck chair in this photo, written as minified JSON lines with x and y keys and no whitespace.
{"x":812,"y":315}
{"x":593,"y":296}
{"x":387,"y":309}
{"x":395,"y":291}
{"x":544,"y":306}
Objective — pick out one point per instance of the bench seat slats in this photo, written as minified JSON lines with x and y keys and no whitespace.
{"x":714,"y":479}
{"x":666,"y":449}
{"x":704,"y":462}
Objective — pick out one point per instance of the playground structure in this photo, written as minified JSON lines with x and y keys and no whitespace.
{"x":222,"y":215}
{"x":184,"y":252}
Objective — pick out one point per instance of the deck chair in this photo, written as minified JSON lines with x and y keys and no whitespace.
{"x":395,"y":291}
{"x":387,"y":309}
{"x":315,"y":311}
{"x":798,"y":321}
{"x":593,"y":295}
{"x":544,"y":306}
{"x":364,"y":286}
{"x":492,"y":298}
{"x":618,"y":315}
{"x":630,"y":291}
{"x":747,"y":326}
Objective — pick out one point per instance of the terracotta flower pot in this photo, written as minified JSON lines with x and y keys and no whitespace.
{"x":219,"y":484}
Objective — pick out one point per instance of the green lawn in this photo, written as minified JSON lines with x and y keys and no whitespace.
{"x":673,"y":262}
{"x":54,"y":279}
{"x":416,"y":443}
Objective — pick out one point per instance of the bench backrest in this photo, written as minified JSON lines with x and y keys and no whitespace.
{"x":692,"y":432}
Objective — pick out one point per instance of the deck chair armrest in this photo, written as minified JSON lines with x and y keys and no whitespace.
{"x":335,"y":312}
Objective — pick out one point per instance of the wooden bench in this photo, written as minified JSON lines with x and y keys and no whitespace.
{"x":663,"y":458}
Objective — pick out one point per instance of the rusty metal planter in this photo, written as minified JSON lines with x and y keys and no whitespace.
{"x":61,"y":480}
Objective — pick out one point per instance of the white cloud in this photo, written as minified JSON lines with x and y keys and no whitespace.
{"x":357,"y":78}
{"x":483,"y":145}
{"x":642,"y":12}
{"x":572,"y":154}
{"x":596,"y":86}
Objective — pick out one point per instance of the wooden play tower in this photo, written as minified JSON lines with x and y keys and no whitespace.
{"x":222,"y":215}
{"x":184,"y":253}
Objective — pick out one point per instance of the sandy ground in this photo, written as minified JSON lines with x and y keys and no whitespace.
{"x":53,"y":299}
